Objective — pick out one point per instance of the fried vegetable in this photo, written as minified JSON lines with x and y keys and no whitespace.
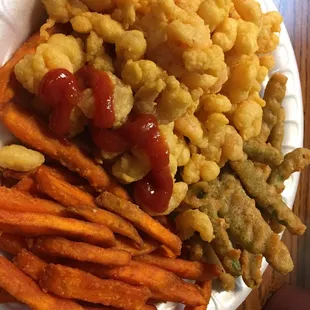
{"x":251,"y":264}
{"x":149,"y":245}
{"x":27,"y":185}
{"x":33,"y":132}
{"x":274,"y":95}
{"x":277,"y":134}
{"x":5,"y":297}
{"x":23,"y":288}
{"x":266,"y":196}
{"x":73,"y":283}
{"x":206,"y":288}
{"x":164,"y":285}
{"x":12,"y":244}
{"x":182,"y":268}
{"x":262,"y":152}
{"x":30,"y":264}
{"x":207,"y":199}
{"x":293,"y":162}
{"x":248,"y":228}
{"x":61,"y":247}
{"x":140,"y":219}
{"x":81,"y":203}
{"x":36,"y":224}
{"x":14,"y":200}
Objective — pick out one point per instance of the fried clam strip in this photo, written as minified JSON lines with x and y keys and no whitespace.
{"x":274,"y":95}
{"x":262,"y":152}
{"x":34,"y":133}
{"x":248,"y":228}
{"x":140,"y":219}
{"x":204,"y":195}
{"x":77,"y":284}
{"x":293,"y":162}
{"x":37,"y":224}
{"x":206,"y":288}
{"x":81,"y":203}
{"x":23,"y":288}
{"x":251,"y":264}
{"x":13,"y":200}
{"x":61,"y":247}
{"x":266,"y":196}
{"x":12,"y":244}
{"x":182,"y":268}
{"x":149,"y":245}
{"x":164,"y":285}
{"x":277,"y":134}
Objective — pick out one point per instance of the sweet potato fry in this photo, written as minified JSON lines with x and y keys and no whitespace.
{"x":164,"y":285}
{"x":13,"y":200}
{"x":81,"y":203}
{"x":206,"y":288}
{"x":149,"y":245}
{"x":23,"y":288}
{"x":29,"y":263}
{"x":61,"y":247}
{"x":27,"y":185}
{"x":182,"y":268}
{"x":36,"y":224}
{"x":146,"y":307}
{"x":33,"y":132}
{"x":12,"y":244}
{"x":6,"y":297}
{"x":16,"y":175}
{"x":140,"y":219}
{"x":74,"y":283}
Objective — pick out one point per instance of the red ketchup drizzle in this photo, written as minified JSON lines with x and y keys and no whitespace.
{"x":155,"y":190}
{"x":103,"y":90}
{"x":59,"y":89}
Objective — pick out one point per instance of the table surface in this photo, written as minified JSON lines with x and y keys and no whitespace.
{"x":297,"y":20}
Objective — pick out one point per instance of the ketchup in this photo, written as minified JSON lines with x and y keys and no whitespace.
{"x":59,"y":89}
{"x":155,"y":190}
{"x":103,"y":90}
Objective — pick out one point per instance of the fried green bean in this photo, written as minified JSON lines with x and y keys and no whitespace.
{"x":205,"y":195}
{"x":274,"y":95}
{"x":266,"y":196}
{"x":248,"y":228}
{"x":264,"y":168}
{"x":293,"y":162}
{"x":262,"y":152}
{"x":277,"y":133}
{"x":251,"y":264}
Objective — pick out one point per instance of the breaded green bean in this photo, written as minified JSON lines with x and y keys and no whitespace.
{"x":293,"y":162}
{"x":266,"y":196}
{"x":272,"y":222}
{"x":251,"y":264}
{"x":262,"y":152}
{"x":205,"y":195}
{"x":248,"y":228}
{"x":274,"y":95}
{"x":264,"y":168}
{"x":277,"y":133}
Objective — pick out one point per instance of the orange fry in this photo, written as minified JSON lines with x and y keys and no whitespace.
{"x":146,"y":307}
{"x":13,"y":200}
{"x":6,"y":297}
{"x":164,"y":285}
{"x":23,"y":288}
{"x":27,"y":185}
{"x":82,"y":203}
{"x":182,"y":268}
{"x":29,"y":263}
{"x":74,"y":283}
{"x":149,"y":245}
{"x":36,"y":224}
{"x":12,"y":244}
{"x":206,"y":288}
{"x":60,"y":247}
{"x":16,"y":175}
{"x":140,"y":219}
{"x":33,"y":132}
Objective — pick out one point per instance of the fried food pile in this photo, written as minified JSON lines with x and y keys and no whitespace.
{"x":147,"y":155}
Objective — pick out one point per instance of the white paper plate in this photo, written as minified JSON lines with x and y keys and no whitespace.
{"x":18,"y":18}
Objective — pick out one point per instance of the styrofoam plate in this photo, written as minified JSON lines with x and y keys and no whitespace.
{"x":17,"y":21}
